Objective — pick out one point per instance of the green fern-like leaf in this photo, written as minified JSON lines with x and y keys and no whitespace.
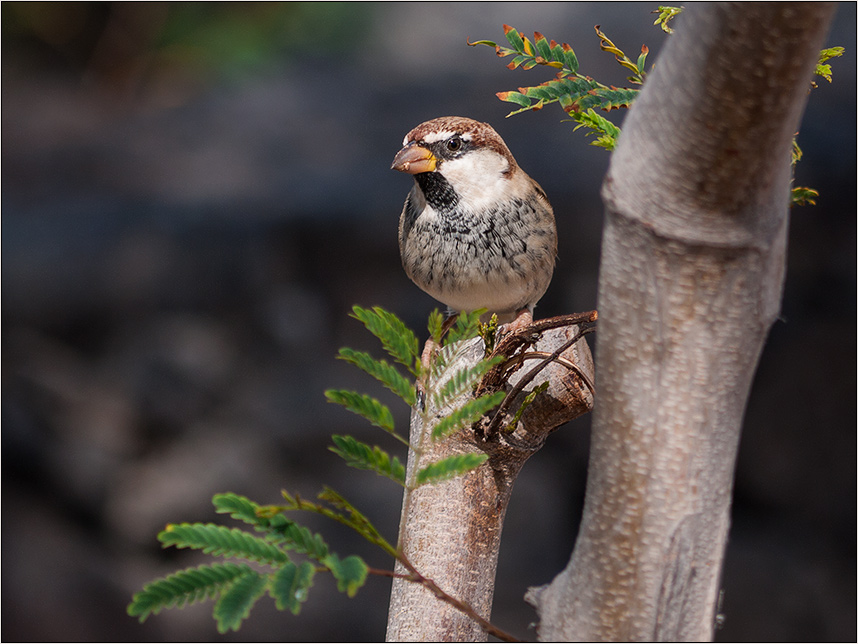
{"x":290,"y":586}
{"x":222,"y":542}
{"x":450,"y":467}
{"x":185,"y":587}
{"x":352,"y":517}
{"x":529,"y":55}
{"x":350,"y":572}
{"x":447,"y":355}
{"x":467,"y":414}
{"x":363,"y":405}
{"x":575,"y":93}
{"x":616,"y":97}
{"x":238,"y":507}
{"x":396,"y":338}
{"x":385,"y":373}
{"x":467,"y":326}
{"x":355,"y":519}
{"x":293,"y":536}
{"x":436,"y":325}
{"x":362,"y":456}
{"x":464,"y":380}
{"x":607,"y":132}
{"x":235,"y":602}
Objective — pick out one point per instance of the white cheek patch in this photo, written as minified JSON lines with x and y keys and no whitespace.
{"x":478,"y":178}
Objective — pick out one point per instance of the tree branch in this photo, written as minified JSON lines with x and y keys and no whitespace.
{"x":690,"y":281}
{"x":450,"y":531}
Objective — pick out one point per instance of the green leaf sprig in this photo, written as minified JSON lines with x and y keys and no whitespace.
{"x":236,"y":588}
{"x":578,"y":95}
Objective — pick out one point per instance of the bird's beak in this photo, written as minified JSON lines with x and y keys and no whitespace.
{"x":414,"y":159}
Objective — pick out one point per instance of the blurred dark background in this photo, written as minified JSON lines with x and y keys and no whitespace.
{"x":194,"y":195}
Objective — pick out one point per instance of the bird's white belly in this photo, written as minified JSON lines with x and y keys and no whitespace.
{"x":482,"y":291}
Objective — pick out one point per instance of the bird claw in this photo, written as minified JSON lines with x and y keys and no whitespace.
{"x":523,"y":318}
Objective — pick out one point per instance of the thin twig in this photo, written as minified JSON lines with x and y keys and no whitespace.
{"x":566,"y":363}
{"x":584,"y":329}
{"x":522,"y":336}
{"x":381,"y":572}
{"x":528,"y":335}
{"x":468,"y":610}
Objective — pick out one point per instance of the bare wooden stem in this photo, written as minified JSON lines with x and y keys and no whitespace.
{"x":450,"y":531}
{"x":690,"y":281}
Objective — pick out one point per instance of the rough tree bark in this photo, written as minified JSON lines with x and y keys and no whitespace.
{"x":690,"y":281}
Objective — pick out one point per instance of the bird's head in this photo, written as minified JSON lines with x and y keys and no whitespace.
{"x":458,"y":158}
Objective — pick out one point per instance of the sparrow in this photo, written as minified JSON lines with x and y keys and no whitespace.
{"x":476,"y":231}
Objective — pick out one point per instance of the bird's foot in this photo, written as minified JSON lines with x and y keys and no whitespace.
{"x":523,"y":319}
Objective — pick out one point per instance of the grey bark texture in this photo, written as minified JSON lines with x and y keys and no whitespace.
{"x":693,"y":256}
{"x":450,"y":531}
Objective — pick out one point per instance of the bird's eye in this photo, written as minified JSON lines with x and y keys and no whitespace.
{"x":454,"y":144}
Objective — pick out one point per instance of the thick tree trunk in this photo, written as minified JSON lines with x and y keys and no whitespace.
{"x":697,"y":201}
{"x":450,"y":531}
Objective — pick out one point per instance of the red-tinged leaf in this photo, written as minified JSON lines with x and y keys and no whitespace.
{"x":641,"y":64}
{"x":515,"y":40}
{"x":644,"y":49}
{"x":518,"y":60}
{"x":538,"y":36}
{"x":507,"y":29}
{"x":569,"y":57}
{"x":539,"y":92}
{"x":553,"y":43}
{"x":514,"y":97}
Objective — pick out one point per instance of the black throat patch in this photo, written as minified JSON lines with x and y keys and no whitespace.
{"x":438,"y":192}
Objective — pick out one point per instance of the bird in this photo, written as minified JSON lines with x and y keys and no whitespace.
{"x":476,"y":232}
